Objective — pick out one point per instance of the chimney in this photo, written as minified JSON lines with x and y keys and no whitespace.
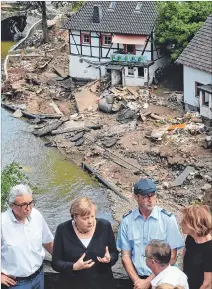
{"x":97,"y":14}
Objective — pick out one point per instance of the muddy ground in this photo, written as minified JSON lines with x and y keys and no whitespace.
{"x":121,"y":153}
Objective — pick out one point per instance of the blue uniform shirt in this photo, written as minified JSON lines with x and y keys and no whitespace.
{"x":135,"y":232}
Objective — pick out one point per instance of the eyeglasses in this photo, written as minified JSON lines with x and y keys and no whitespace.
{"x":25,"y":205}
{"x":151,"y":195}
{"x":145,"y":256}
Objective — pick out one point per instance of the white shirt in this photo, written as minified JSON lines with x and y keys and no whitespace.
{"x":86,"y":242}
{"x":22,"y":252}
{"x":171,"y":275}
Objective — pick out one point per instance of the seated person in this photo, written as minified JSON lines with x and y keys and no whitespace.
{"x":158,"y":256}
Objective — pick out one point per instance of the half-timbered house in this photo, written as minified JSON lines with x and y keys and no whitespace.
{"x":117,"y":38}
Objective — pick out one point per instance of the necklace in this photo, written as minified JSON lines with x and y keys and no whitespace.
{"x":82,"y":232}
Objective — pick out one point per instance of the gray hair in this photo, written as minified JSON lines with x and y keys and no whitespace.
{"x":160,"y":252}
{"x":19,"y":190}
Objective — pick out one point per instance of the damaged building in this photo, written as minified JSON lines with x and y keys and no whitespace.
{"x":115,"y":38}
{"x":196,"y":59}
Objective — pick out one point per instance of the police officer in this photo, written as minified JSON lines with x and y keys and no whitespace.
{"x":140,"y":226}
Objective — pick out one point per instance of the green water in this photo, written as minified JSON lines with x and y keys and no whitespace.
{"x":57,"y":179}
{"x":5,"y":47}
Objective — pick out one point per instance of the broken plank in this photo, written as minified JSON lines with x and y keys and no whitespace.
{"x":13,"y":108}
{"x":157,"y":117}
{"x":70,"y":129}
{"x":56,"y":108}
{"x":109,"y":185}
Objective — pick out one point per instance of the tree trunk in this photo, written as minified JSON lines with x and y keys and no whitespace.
{"x":44,"y":22}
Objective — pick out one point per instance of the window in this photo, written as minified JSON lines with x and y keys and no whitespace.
{"x":140,"y":72}
{"x":197,"y":84}
{"x":138,"y":6}
{"x":130,"y":71}
{"x":205,"y":98}
{"x":85,"y":38}
{"x":112,"y":5}
{"x":106,"y":39}
{"x":129,"y":48}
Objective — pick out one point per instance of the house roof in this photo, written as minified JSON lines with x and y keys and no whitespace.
{"x":122,"y":19}
{"x":198,"y":53}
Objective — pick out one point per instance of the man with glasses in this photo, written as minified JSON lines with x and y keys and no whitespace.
{"x":158,"y":256}
{"x":24,"y":234}
{"x":141,"y":225}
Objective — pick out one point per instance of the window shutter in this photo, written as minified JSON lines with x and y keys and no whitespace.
{"x":102,"y":39}
{"x":81,"y":38}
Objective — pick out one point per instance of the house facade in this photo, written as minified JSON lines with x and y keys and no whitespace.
{"x":115,"y":38}
{"x":197,"y":71}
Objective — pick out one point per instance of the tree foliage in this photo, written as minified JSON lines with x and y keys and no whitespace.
{"x":10,"y":176}
{"x":177,"y":23}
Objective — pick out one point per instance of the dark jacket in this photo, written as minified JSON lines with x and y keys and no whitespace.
{"x":68,"y":249}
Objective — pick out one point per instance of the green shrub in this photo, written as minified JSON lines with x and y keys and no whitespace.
{"x":10,"y":176}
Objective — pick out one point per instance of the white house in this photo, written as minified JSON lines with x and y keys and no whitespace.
{"x":117,"y":38}
{"x":197,"y":71}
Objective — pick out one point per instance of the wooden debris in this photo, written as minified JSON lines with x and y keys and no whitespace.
{"x":70,"y":129}
{"x":56,"y":108}
{"x":110,"y":186}
{"x":157,"y":117}
{"x":144,"y":115}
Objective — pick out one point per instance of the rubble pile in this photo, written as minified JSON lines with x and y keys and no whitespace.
{"x":122,"y":132}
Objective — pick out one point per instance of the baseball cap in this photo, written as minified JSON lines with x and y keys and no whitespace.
{"x":144,"y":187}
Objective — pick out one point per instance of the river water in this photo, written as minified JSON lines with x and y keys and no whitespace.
{"x":58,"y":181}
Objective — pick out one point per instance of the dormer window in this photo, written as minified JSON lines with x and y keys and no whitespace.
{"x":112,"y":5}
{"x":138,"y":7}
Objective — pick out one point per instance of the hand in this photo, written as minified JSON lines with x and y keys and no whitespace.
{"x":106,"y":258}
{"x":80,"y":264}
{"x":6,"y":280}
{"x":141,"y":284}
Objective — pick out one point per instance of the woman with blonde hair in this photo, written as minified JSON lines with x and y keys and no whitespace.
{"x":197,"y":264}
{"x":84,"y":249}
{"x":168,"y":286}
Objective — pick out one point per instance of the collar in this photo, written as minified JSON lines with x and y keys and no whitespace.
{"x":13,"y":218}
{"x":159,"y":276}
{"x":154,"y":214}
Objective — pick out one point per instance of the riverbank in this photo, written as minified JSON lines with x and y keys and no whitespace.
{"x":120,"y":151}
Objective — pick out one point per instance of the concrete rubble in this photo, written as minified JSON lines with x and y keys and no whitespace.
{"x":123,"y":132}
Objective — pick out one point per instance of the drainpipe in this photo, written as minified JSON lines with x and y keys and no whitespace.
{"x":148,"y":76}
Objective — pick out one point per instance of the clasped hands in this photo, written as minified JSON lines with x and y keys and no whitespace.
{"x":141,"y":284}
{"x":81,"y":264}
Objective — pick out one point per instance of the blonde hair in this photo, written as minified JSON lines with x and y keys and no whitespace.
{"x":198,"y":218}
{"x":82,"y":206}
{"x":169,"y":286}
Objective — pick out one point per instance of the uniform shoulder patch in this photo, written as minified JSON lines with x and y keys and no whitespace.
{"x":126,"y":214}
{"x":166,"y":212}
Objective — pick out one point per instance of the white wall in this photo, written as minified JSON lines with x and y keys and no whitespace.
{"x":190,"y":75}
{"x":130,"y":80}
{"x":81,"y":70}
